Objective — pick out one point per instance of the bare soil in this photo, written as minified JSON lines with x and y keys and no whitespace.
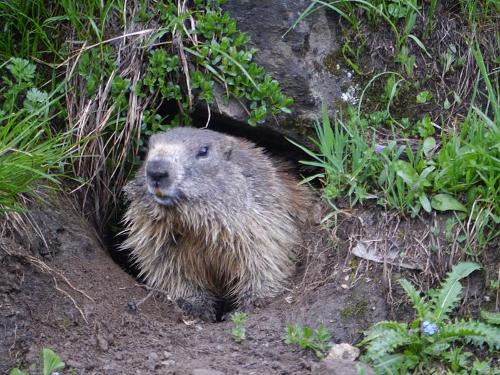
{"x":66,"y":293}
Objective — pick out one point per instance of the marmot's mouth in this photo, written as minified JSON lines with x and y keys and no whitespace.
{"x":168,"y":200}
{"x":165,"y":200}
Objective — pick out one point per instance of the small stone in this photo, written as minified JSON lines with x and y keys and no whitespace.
{"x":102,"y":343}
{"x":344,"y":352}
{"x":204,"y":371}
{"x":132,"y":306}
{"x":153,"y":361}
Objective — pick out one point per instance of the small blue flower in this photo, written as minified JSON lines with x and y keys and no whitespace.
{"x":429,"y":328}
{"x":379,"y":148}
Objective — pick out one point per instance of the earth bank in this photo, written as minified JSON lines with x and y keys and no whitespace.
{"x":64,"y":292}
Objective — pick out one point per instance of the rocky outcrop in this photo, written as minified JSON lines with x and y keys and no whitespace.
{"x":302,"y":61}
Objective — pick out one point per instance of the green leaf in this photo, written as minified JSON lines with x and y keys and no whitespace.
{"x":446,"y":298}
{"x":428,"y":146}
{"x":21,"y":69}
{"x":386,"y":364}
{"x":406,"y":171}
{"x":380,"y":328}
{"x":491,"y":317}
{"x":424,"y":201}
{"x":16,"y":371}
{"x":420,"y":44}
{"x":51,"y":362}
{"x":471,"y":331}
{"x":445,"y":202}
{"x":418,"y":303}
{"x":424,"y":97}
{"x":386,"y":342}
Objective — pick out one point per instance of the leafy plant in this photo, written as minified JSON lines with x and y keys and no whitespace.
{"x":238,"y":331}
{"x":219,"y":55}
{"x":424,"y":97}
{"x":306,"y":337}
{"x":425,"y":127}
{"x":32,"y":154}
{"x":50,"y":362}
{"x":397,"y":347}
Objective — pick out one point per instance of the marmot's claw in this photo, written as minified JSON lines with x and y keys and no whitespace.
{"x":198,"y":307}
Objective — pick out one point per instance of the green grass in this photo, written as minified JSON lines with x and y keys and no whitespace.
{"x":344,"y":159}
{"x":30,"y":29}
{"x":32,"y":153}
{"x":31,"y":157}
{"x":463,"y":175}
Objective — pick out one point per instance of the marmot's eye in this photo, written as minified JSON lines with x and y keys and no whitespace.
{"x":202,"y":152}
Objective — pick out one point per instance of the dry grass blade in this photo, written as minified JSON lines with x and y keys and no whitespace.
{"x":106,"y":136}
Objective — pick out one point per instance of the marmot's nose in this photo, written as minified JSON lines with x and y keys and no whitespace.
{"x":157,"y":170}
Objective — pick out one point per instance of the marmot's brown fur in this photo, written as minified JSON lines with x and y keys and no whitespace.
{"x":212,"y":216}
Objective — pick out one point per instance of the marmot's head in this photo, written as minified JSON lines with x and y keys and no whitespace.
{"x":186,"y":163}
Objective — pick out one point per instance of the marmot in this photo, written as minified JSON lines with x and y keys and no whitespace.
{"x":212,"y":216}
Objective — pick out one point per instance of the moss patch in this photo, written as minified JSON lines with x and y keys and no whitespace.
{"x":357,"y":309}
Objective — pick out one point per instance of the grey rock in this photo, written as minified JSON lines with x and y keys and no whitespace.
{"x":298,"y":60}
{"x":153,"y":361}
{"x":340,"y":367}
{"x":343,"y":351}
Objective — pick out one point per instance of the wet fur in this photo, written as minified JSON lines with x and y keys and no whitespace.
{"x":237,"y":244}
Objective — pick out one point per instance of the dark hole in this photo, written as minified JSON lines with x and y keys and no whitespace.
{"x":223,"y":307}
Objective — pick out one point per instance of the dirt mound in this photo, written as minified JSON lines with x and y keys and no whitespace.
{"x":66,"y":293}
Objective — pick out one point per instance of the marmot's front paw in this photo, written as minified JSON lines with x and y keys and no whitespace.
{"x":198,"y":307}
